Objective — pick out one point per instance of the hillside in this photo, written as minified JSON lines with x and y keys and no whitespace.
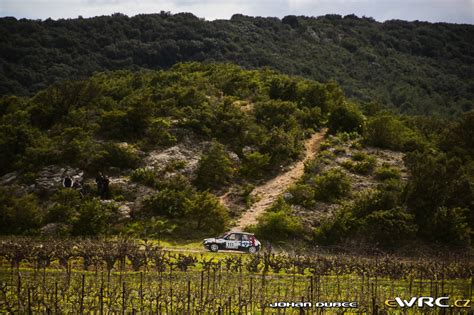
{"x":197,"y":149}
{"x":415,"y":67}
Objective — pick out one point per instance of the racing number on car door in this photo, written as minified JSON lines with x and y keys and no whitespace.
{"x":245,"y":241}
{"x":232,"y":241}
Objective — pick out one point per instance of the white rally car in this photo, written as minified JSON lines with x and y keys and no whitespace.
{"x":234,"y":241}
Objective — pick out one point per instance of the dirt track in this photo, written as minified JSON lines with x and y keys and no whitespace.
{"x":267,"y":193}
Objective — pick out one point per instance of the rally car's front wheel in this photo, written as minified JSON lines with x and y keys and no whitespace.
{"x":253,"y":250}
{"x":214,"y":248}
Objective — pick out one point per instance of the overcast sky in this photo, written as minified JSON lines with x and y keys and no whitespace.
{"x":455,"y":11}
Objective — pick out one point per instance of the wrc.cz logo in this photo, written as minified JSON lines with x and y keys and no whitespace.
{"x":427,"y":301}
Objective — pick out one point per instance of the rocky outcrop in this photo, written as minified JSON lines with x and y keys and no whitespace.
{"x":50,"y":178}
{"x":189,"y":155}
{"x":9,"y":178}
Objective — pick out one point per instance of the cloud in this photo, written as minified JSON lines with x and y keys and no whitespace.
{"x":459,"y":11}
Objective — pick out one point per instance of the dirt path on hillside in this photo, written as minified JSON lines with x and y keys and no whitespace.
{"x":267,"y":193}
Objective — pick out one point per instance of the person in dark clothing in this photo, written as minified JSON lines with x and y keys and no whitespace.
{"x":67,"y":182}
{"x":105,"y":188}
{"x":78,"y":186}
{"x":99,"y":180}
{"x":102,"y":185}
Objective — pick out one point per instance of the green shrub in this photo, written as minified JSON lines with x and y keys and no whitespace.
{"x":373,"y":216}
{"x":65,"y":202}
{"x":347,"y":136}
{"x":336,"y":229}
{"x":365,"y":167}
{"x":114,"y":155}
{"x":168,"y":202}
{"x":450,"y":225}
{"x":278,"y":224}
{"x":128,"y":123}
{"x":246,"y":193}
{"x":338,"y":150}
{"x":346,"y":118}
{"x":113,"y":124}
{"x":331,"y":185}
{"x":275,"y":113}
{"x":207,"y":214}
{"x":215,"y":168}
{"x":388,"y":132}
{"x":310,"y":117}
{"x":384,"y":132}
{"x":359,"y":156}
{"x":175,"y":165}
{"x":19,"y":215}
{"x":254,"y":164}
{"x":151,"y":228}
{"x":302,"y":194}
{"x":313,"y":166}
{"x":145,"y":176}
{"x":325,"y":145}
{"x":158,"y":133}
{"x":93,"y":218}
{"x":388,"y":227}
{"x":386,"y":172}
{"x":364,"y":163}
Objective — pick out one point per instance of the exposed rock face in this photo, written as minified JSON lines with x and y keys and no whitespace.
{"x":138,"y":192}
{"x":8,"y":178}
{"x":50,"y":178}
{"x":159,"y":159}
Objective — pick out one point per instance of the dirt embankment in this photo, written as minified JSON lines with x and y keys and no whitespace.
{"x":268,"y":192}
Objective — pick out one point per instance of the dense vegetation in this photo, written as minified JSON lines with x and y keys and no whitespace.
{"x":433,"y":204}
{"x":113,"y":120}
{"x":417,"y":67}
{"x":250,"y":124}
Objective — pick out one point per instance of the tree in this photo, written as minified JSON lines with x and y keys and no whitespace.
{"x":346,"y":118}
{"x":93,"y":218}
{"x":432,"y":176}
{"x":19,"y":215}
{"x":278,"y":223}
{"x":215,"y":168}
{"x":451,"y":226}
{"x":385,"y":131}
{"x":207,"y":213}
{"x":388,"y":227}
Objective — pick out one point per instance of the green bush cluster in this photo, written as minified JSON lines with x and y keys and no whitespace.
{"x":346,"y":118}
{"x":215,"y":168}
{"x":178,"y":201}
{"x":87,"y":123}
{"x":77,"y":215}
{"x":254,"y":164}
{"x":19,"y":214}
{"x":146,"y":176}
{"x":278,"y":223}
{"x":372,"y":217}
{"x":362,"y":163}
{"x":329,"y":186}
{"x":387,"y":131}
{"x":386,"y":172}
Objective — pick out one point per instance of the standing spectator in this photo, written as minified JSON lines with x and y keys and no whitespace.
{"x":102,"y":185}
{"x":99,"y":180}
{"x":105,"y":188}
{"x":67,"y":182}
